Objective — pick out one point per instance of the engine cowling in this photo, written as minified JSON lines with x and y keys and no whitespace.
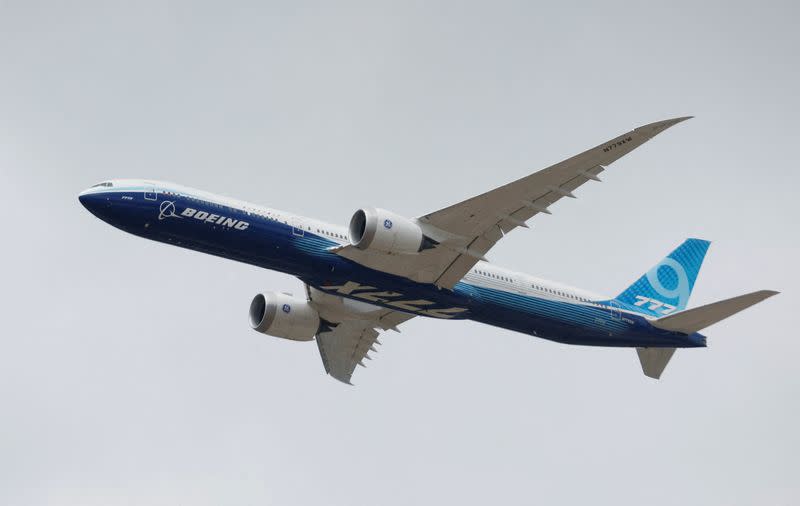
{"x":382,"y":230}
{"x":281,"y":315}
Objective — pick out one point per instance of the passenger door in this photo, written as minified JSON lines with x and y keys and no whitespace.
{"x":297,"y":227}
{"x":614,"y":309}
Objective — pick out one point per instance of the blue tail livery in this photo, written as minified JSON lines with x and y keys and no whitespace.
{"x":385,"y":268}
{"x":666,"y":287}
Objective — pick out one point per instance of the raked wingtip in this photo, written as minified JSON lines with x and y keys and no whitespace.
{"x":656,"y":128}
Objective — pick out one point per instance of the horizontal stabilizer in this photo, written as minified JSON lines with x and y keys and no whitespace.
{"x":693,"y":320}
{"x":654,"y":360}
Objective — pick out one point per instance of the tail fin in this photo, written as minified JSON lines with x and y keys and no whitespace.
{"x":698,"y":318}
{"x":667,"y":286}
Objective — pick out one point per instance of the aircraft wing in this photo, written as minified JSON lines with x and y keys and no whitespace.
{"x":479,"y":222}
{"x":467,"y":230}
{"x":354,"y":331}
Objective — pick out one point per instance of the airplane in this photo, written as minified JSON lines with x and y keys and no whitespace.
{"x":384,"y":269}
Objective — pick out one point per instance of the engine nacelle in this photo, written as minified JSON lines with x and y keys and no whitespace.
{"x":281,"y":315}
{"x":382,"y":230}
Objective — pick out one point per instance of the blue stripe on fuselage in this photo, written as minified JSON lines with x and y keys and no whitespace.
{"x":219,"y":229}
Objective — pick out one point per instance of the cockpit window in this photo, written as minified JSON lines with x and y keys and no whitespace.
{"x":105,"y":184}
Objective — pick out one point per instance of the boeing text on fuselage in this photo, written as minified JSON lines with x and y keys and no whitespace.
{"x":214,"y":219}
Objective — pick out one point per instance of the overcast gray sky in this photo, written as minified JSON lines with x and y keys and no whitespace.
{"x":128,"y":372}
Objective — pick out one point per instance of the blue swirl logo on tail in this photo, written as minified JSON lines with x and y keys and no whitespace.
{"x":667,"y":287}
{"x":680,"y":291}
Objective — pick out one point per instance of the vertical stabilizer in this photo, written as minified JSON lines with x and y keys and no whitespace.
{"x":666,"y":287}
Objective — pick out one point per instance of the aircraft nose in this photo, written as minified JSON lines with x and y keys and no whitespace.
{"x":94,"y":202}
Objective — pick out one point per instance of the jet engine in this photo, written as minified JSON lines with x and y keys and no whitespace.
{"x":382,"y":230}
{"x":281,"y":315}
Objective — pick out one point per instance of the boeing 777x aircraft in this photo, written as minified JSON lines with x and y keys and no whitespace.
{"x":385,"y":269}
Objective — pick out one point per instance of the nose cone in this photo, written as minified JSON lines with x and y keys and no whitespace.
{"x":95,"y":202}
